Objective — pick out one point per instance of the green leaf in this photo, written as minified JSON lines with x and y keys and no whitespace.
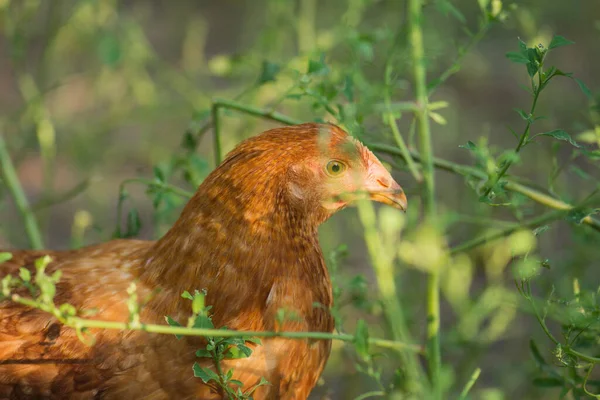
{"x":547,"y":382}
{"x":134,"y":223}
{"x":518,"y":58}
{"x":239,"y":351}
{"x":5,"y":256}
{"x":581,"y":173}
{"x":348,"y":89}
{"x":24,"y":274}
{"x":317,"y":67}
{"x":41,"y":263}
{"x":203,"y":353}
{"x":197,"y":302}
{"x":205,"y":374}
{"x":535,"y":56}
{"x":510,"y":156}
{"x":526,"y":268}
{"x":559,"y":134}
{"x":577,"y":215}
{"x":523,"y":114}
{"x":254,"y":340}
{"x":538,"y":231}
{"x":109,"y":49}
{"x":586,"y":91}
{"x":269,"y":72}
{"x":361,"y":339}
{"x":159,"y":173}
{"x":172,"y":322}
{"x":294,"y":96}
{"x":558,"y":41}
{"x":469,"y":146}
{"x":6,"y":284}
{"x":263,"y":381}
{"x":438,"y":118}
{"x":189,"y":141}
{"x":203,"y":322}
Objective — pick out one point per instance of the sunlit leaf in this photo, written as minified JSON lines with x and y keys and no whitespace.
{"x":5,"y":256}
{"x":206,"y":374}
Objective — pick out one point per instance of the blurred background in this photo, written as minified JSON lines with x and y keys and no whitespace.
{"x":93,"y":93}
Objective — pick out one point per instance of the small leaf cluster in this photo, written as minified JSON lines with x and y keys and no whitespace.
{"x":218,"y":349}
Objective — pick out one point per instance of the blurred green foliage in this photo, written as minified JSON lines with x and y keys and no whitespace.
{"x":106,"y":108}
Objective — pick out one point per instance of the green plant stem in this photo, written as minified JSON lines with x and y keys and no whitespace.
{"x":256,"y":111}
{"x":567,"y":349}
{"x":159,"y":185}
{"x":470,"y":383}
{"x":390,"y":117}
{"x":216,"y":133}
{"x":587,"y":377}
{"x":384,"y":273}
{"x":222,"y":380}
{"x":63,"y":197}
{"x":233,"y":105}
{"x":80,"y":323}
{"x":376,"y":393}
{"x":45,"y":133}
{"x":522,"y":139}
{"x":415,"y":18}
{"x":11,"y":180}
{"x":532,"y":223}
{"x":511,"y":185}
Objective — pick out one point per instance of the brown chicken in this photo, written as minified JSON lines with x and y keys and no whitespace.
{"x":248,"y":238}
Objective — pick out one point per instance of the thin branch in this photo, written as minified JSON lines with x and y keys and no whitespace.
{"x":256,"y":111}
{"x":80,"y":323}
{"x":390,"y":118}
{"x":159,"y":185}
{"x":216,"y":122}
{"x":368,"y":395}
{"x":524,"y":136}
{"x":542,"y":322}
{"x":470,"y":383}
{"x":532,"y":223}
{"x":415,"y":34}
{"x":63,"y":197}
{"x":11,"y":180}
{"x":511,"y":184}
{"x":384,"y":273}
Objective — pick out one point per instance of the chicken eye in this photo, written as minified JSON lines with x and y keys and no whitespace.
{"x":335,"y":168}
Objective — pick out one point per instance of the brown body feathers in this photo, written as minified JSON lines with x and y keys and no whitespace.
{"x":248,"y":238}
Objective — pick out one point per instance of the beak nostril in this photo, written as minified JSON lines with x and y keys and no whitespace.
{"x":383,"y":182}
